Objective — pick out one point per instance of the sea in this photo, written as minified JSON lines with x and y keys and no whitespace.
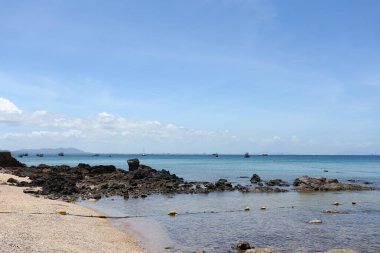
{"x":214,"y":222}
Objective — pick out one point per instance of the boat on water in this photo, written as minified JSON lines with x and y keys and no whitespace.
{"x":264,"y":154}
{"x":216,"y":154}
{"x":246,"y":155}
{"x":61,"y":154}
{"x":40,"y":155}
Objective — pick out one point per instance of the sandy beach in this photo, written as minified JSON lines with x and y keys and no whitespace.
{"x":30,"y":224}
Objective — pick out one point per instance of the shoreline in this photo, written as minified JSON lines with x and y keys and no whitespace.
{"x":93,"y":183}
{"x":31,"y":224}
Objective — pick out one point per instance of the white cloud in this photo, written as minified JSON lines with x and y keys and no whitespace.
{"x":103,"y":127}
{"x":8,"y":107}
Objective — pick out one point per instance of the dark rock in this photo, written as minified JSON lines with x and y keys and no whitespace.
{"x":277,"y":182}
{"x":223,"y":185}
{"x":133,"y":164}
{"x":255,"y":179}
{"x":97,"y":196}
{"x":22,"y":184}
{"x":12,"y":180}
{"x":6,"y":160}
{"x":141,"y":173}
{"x":101,"y":169}
{"x":242,"y":246}
{"x":54,"y":183}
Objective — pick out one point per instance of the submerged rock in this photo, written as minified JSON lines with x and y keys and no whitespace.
{"x":267,"y":189}
{"x":333,"y":211}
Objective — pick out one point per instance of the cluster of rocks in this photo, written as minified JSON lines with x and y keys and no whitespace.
{"x":268,"y":186}
{"x":306,"y":183}
{"x":85,"y":181}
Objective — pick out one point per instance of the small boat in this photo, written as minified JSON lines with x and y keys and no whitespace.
{"x":264,"y":154}
{"x":40,"y":155}
{"x":61,"y":154}
{"x":246,"y":155}
{"x":216,"y":154}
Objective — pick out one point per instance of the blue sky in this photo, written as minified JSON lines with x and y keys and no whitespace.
{"x":191,"y":76}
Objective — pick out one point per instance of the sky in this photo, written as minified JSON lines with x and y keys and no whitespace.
{"x":227,"y":76}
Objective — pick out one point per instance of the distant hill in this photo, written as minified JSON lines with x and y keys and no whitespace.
{"x":72,"y":151}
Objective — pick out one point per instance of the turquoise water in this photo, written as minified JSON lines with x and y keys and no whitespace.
{"x":215,"y":221}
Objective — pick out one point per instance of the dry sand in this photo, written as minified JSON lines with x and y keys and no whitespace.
{"x":21,"y":231}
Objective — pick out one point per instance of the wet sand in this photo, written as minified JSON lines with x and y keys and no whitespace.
{"x":47,"y":231}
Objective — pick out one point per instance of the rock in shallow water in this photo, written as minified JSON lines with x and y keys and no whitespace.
{"x":306,"y":183}
{"x":241,"y":246}
{"x":255,"y":179}
{"x":277,"y":182}
{"x":315,"y":222}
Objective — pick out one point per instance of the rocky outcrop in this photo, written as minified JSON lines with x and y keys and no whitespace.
{"x":6,"y":160}
{"x":133,"y":164}
{"x":306,"y":183}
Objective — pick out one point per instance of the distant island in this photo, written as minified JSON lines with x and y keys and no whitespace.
{"x":47,"y":151}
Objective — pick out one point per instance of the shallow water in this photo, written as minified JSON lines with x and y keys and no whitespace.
{"x":217,"y":220}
